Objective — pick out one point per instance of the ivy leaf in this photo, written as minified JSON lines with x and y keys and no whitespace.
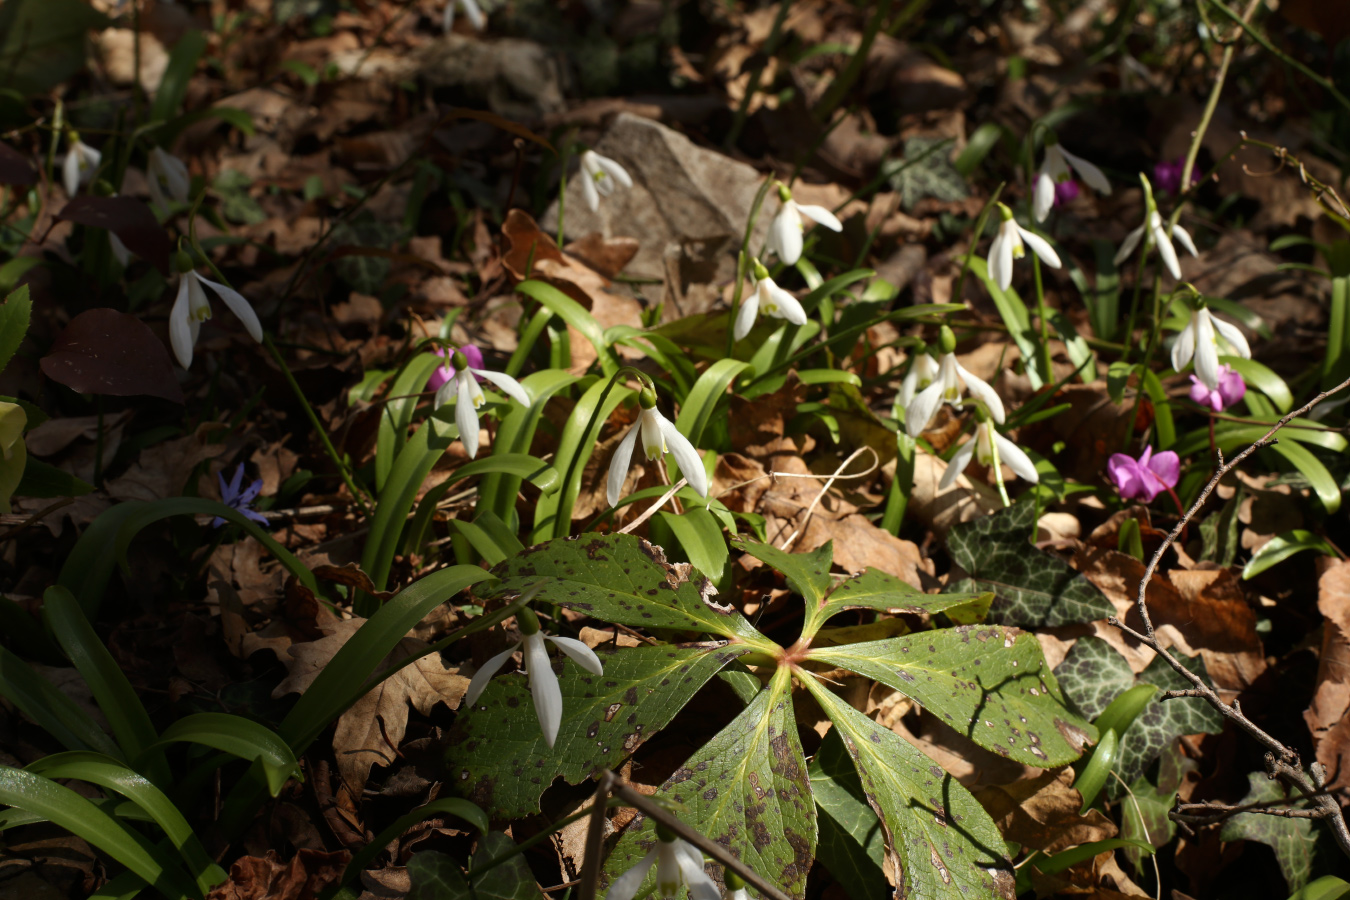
{"x":851,"y":844}
{"x":436,"y":876}
{"x":885,"y":593}
{"x":1293,"y":840}
{"x":1093,"y":674}
{"x":747,"y":789}
{"x":498,"y":755}
{"x":941,"y":842}
{"x":1031,"y":588}
{"x":927,"y":171}
{"x":621,"y":578}
{"x":989,"y":683}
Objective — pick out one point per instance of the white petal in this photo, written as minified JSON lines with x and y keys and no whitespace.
{"x":922,"y":408}
{"x":691,"y":464}
{"x":588,"y":187}
{"x":157,"y":196}
{"x":1206,"y":353}
{"x":618,"y":465}
{"x":1092,"y":176}
{"x":908,"y":387}
{"x":241,"y":308}
{"x":466,"y":414}
{"x":996,"y":261}
{"x":1167,"y":252}
{"x":1005,"y":258}
{"x":701,"y":886}
{"x":1233,"y":335}
{"x":1184,"y":348}
{"x":625,"y":887}
{"x":614,"y":170}
{"x":653,"y":438}
{"x":544,"y":687}
{"x":474,"y":14}
{"x":180,"y":331}
{"x":1127,"y":246}
{"x":1044,"y":197}
{"x":579,"y":653}
{"x":789,"y":307}
{"x":1181,"y":235}
{"x":509,"y":385}
{"x":960,"y":460}
{"x":119,"y":249}
{"x":1019,"y":462}
{"x":484,"y":675}
{"x":70,"y":172}
{"x":1041,"y":247}
{"x":785,"y":232}
{"x":982,"y":392}
{"x":745,"y":316}
{"x":821,"y":215}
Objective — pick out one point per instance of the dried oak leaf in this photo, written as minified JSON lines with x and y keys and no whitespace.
{"x":1328,"y":717}
{"x":1042,"y":812}
{"x":267,"y":878}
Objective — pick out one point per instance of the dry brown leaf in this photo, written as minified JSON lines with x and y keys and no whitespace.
{"x":1328,"y":717}
{"x":267,"y":878}
{"x":858,"y":545}
{"x":1042,"y":812}
{"x":940,"y":509}
{"x":162,"y":470}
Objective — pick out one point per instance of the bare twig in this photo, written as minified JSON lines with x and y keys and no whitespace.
{"x":824,"y":489}
{"x":651,"y":510}
{"x":1281,"y":762}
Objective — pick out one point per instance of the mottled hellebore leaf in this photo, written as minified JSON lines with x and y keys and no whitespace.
{"x":873,"y":589}
{"x":128,"y":218}
{"x":1031,"y":588}
{"x":103,"y":351}
{"x":748,"y":790}
{"x":989,"y":683}
{"x":851,"y":845}
{"x":623,"y":579}
{"x":498,"y":757}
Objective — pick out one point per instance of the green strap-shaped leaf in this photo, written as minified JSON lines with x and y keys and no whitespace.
{"x":497,"y":491}
{"x":1031,"y":588}
{"x":114,"y":775}
{"x":48,"y":706}
{"x":989,"y":683}
{"x":623,"y":579}
{"x":941,"y":843}
{"x":698,"y":408}
{"x":851,"y":845}
{"x":1014,"y":314}
{"x":64,"y":807}
{"x":1281,"y":547}
{"x":241,"y":737}
{"x":663,"y":351}
{"x":499,"y":758}
{"x":748,"y":790}
{"x":700,"y":536}
{"x":574,"y":314}
{"x":182,"y":63}
{"x":14,"y":315}
{"x":808,"y":574}
{"x":873,"y":589}
{"x":397,"y":415}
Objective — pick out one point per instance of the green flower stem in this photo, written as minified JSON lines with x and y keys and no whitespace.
{"x":743,"y":264}
{"x":1155,"y":332}
{"x":997,"y":466}
{"x":1128,"y":340}
{"x":1043,"y":313}
{"x":975,"y":237}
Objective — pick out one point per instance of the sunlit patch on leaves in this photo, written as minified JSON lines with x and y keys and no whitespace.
{"x":1031,"y":588}
{"x":498,"y":756}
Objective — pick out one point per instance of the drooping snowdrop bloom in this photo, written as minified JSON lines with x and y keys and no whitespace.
{"x":768,"y":298}
{"x":658,"y":436}
{"x":785,"y":231}
{"x":463,"y":386}
{"x":119,"y":250}
{"x":1010,"y":243}
{"x":991,"y":449}
{"x":238,"y":498}
{"x":923,"y":371}
{"x":471,"y":11}
{"x":80,"y":164}
{"x":169,"y":179}
{"x":543,"y":682}
{"x":599,"y":174}
{"x":735,"y":886}
{"x":1059,"y":166}
{"x":441,"y":374}
{"x":1231,"y":389}
{"x":678,"y":866}
{"x":191,"y":308}
{"x":1200,"y":340}
{"x":1146,"y":477}
{"x":1157,"y":235}
{"x":947,"y":387}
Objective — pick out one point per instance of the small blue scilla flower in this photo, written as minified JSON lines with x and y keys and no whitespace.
{"x":233,"y":497}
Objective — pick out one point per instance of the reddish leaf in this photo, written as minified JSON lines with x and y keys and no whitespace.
{"x":128,"y":218}
{"x":15,"y":168}
{"x":103,"y":351}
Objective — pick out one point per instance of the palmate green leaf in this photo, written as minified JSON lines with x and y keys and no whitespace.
{"x":941,"y":843}
{"x":873,"y":589}
{"x":1093,"y":674}
{"x":748,"y":790}
{"x":622,"y":579}
{"x":1031,"y":588}
{"x":1293,"y":840}
{"x":499,"y":759}
{"x":989,"y":683}
{"x":851,"y":845}
{"x":808,"y":574}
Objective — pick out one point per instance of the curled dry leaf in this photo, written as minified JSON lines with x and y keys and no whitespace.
{"x":302,"y":877}
{"x":1328,"y":717}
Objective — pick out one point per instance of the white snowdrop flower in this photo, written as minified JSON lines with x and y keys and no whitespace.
{"x":1010,"y":243}
{"x":119,"y":250}
{"x":80,"y":164}
{"x":1057,"y":166}
{"x":463,"y":387}
{"x":599,"y":174}
{"x":785,"y":231}
{"x":989,"y":447}
{"x":947,"y":387}
{"x":658,"y":436}
{"x":1200,"y":340}
{"x":169,"y":179}
{"x":678,"y":866}
{"x":768,"y":298}
{"x":543,"y":682}
{"x":191,"y":308}
{"x":923,"y":371}
{"x":471,"y":10}
{"x":1158,"y":235}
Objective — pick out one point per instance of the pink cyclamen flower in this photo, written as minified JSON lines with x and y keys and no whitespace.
{"x":1065,"y":191}
{"x":444,"y":373}
{"x":1231,"y":389}
{"x":1146,"y":477}
{"x":1167,"y":175}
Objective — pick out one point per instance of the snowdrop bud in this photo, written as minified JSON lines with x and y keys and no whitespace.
{"x":182,"y":261}
{"x":527,"y":621}
{"x":783,"y":193}
{"x":647,"y":398}
{"x":760,"y":271}
{"x":946,"y":340}
{"x":459,"y":360}
{"x":1149,"y":202}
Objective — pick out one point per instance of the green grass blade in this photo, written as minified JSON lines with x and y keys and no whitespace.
{"x":241,"y":737}
{"x":574,"y":314}
{"x":48,"y":706}
{"x":705,"y":396}
{"x":397,"y":415}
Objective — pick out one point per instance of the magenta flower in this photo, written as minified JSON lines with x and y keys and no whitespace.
{"x":1146,"y":477}
{"x":1065,"y":191}
{"x":444,"y":373}
{"x":1167,"y":175}
{"x":1231,"y":389}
